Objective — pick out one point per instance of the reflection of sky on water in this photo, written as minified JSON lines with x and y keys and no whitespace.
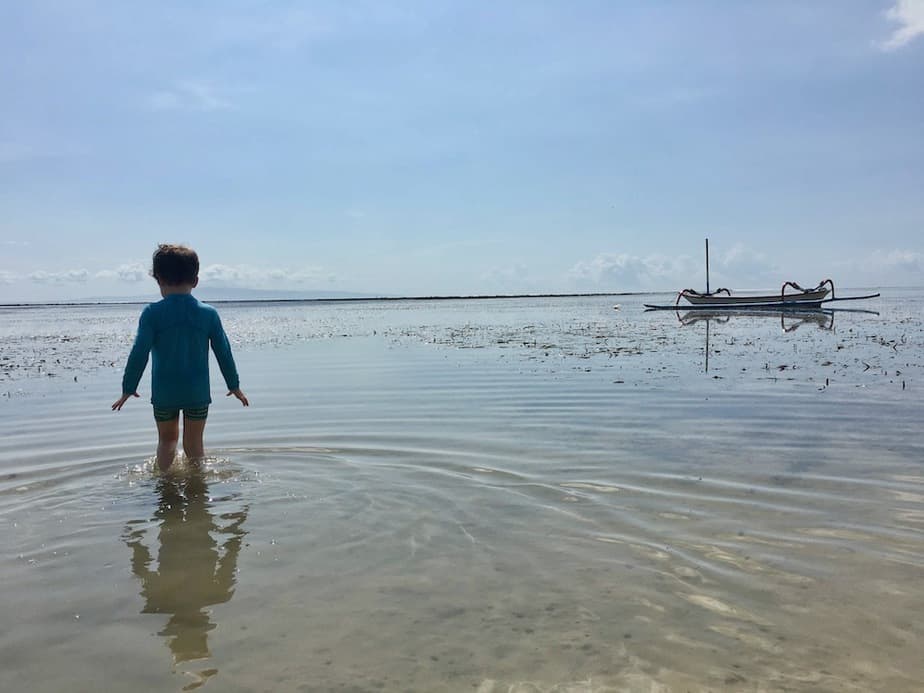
{"x":196,"y":561}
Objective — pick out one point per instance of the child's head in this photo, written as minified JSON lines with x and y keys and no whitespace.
{"x":175,"y":265}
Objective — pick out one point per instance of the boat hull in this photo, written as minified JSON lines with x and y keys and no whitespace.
{"x":778,"y":305}
{"x":803,"y":299}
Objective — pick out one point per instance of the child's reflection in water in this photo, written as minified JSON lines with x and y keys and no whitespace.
{"x":196,"y":562}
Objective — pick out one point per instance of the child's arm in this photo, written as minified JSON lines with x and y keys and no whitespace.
{"x":222,"y":348}
{"x":137,"y":359}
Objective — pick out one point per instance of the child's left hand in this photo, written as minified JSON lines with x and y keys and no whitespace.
{"x":240,"y":395}
{"x":117,"y":405}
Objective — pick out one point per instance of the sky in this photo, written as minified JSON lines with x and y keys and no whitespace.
{"x":447,"y":147}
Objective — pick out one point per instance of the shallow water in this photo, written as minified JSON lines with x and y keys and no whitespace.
{"x":526,"y":495}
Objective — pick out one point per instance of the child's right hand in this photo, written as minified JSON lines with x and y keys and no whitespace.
{"x":240,"y":395}
{"x":117,"y":405}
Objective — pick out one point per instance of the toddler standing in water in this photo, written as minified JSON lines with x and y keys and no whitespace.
{"x":177,"y":332}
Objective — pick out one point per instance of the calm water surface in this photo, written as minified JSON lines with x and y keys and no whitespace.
{"x":514,"y":495}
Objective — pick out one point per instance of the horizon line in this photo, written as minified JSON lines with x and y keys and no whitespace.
{"x":343,"y":299}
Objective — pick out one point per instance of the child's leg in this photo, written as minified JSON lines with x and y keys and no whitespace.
{"x":193,"y":428}
{"x":168,"y":432}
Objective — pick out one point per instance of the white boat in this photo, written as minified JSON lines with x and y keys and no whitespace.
{"x":724,"y":298}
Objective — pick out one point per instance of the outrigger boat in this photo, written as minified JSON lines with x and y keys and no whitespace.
{"x":722,"y":299}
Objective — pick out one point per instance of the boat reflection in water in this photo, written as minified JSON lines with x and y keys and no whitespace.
{"x":196,"y":563}
{"x":790,"y":319}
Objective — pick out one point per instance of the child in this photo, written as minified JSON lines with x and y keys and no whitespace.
{"x":177,"y":331}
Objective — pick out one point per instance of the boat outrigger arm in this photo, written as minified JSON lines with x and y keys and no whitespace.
{"x":723,"y":299}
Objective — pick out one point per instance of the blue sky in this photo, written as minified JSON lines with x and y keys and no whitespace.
{"x":447,"y":147}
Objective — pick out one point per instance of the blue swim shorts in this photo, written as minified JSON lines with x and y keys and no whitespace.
{"x":191,"y":413}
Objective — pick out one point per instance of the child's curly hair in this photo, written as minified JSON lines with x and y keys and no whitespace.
{"x":175,"y":264}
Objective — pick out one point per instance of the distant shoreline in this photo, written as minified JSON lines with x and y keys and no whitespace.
{"x":387,"y":299}
{"x":352,"y":299}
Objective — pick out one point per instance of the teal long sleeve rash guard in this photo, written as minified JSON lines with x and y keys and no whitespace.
{"x":177,"y":332}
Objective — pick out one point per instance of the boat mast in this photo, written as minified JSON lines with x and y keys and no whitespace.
{"x":707,"y":266}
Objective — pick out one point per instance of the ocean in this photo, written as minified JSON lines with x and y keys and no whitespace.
{"x":533,"y":494}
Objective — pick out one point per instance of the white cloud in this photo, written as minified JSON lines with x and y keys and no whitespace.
{"x":215,"y":276}
{"x":896,"y":267}
{"x":131,"y":272}
{"x":246,"y":275}
{"x":747,"y":267}
{"x":739,"y":267}
{"x":624,"y":272}
{"x":224,"y":273}
{"x":15,"y":244}
{"x":70,"y":276}
{"x":897,"y":260}
{"x":909,"y":15}
{"x":188,"y":96}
